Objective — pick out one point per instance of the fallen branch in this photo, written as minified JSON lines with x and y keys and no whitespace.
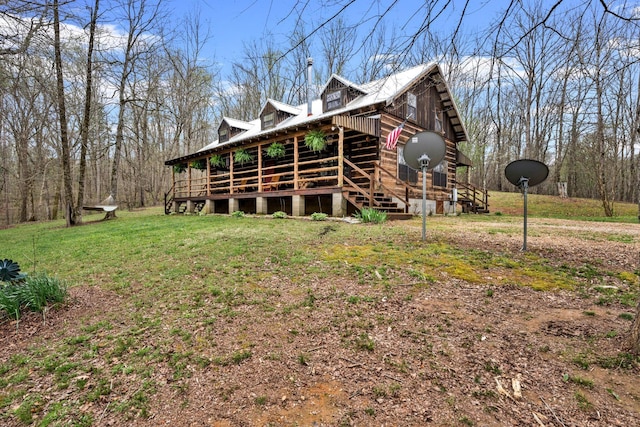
{"x":552,"y":412}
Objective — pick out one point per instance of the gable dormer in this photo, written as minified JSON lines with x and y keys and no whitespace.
{"x":338,"y":92}
{"x":230,"y":128}
{"x":273,"y":113}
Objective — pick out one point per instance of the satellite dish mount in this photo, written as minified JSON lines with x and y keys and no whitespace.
{"x":424,"y":151}
{"x":526,"y":173}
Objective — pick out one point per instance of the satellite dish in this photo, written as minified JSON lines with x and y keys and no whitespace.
{"x":423,"y":151}
{"x":526,"y":173}
{"x":429,"y":144}
{"x":533,"y":171}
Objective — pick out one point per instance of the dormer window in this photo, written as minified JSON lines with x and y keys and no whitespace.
{"x":223,"y":135}
{"x":334,"y":100}
{"x":268,"y":120}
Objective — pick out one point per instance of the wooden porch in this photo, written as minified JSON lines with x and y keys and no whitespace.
{"x":341,"y":179}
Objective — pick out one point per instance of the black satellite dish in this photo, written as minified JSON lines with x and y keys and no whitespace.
{"x":424,"y":151}
{"x":429,"y":144}
{"x":533,"y":171}
{"x":526,"y":173}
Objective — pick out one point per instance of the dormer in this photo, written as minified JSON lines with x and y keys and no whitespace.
{"x":273,"y":113}
{"x":230,"y":128}
{"x":338,"y":92}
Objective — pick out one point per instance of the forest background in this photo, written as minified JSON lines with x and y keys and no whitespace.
{"x":96,"y":95}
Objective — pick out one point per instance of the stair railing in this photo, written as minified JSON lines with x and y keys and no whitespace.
{"x":168,"y":200}
{"x":478,"y":197}
{"x":407,"y":188}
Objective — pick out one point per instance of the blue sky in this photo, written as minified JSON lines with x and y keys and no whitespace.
{"x":233,"y":22}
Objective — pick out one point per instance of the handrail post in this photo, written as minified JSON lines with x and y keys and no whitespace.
{"x":371,"y":183}
{"x":406,"y":198}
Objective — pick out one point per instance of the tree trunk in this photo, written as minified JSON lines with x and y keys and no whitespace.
{"x":86,"y":121}
{"x":64,"y":139}
{"x":634,"y":336}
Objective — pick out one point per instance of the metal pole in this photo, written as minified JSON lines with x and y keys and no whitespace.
{"x":424,"y":163}
{"x":424,"y":203}
{"x":525,"y":187}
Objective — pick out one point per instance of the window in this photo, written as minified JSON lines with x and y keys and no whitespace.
{"x":438,"y":123}
{"x":405,"y":173}
{"x":223,"y":135}
{"x":268,"y":120}
{"x":334,"y":100}
{"x":439,"y":174}
{"x":412,"y":106}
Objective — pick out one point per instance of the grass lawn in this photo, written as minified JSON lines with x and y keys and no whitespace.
{"x":179,"y":301}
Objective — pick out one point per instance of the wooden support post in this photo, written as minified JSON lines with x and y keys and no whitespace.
{"x":296,"y":184}
{"x":340,"y":156}
{"x":260,"y":167}
{"x":208,"y":177}
{"x":230,"y":172}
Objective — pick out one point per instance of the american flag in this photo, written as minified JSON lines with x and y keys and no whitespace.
{"x":392,"y":138}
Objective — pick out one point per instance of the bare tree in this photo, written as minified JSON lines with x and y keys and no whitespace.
{"x":18,"y":32}
{"x":70,"y":211}
{"x":86,"y":119}
{"x":140,"y":17}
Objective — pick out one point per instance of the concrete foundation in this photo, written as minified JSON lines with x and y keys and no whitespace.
{"x":209,"y":207}
{"x":297,"y":206}
{"x":338,"y":205}
{"x":234,"y":205}
{"x":261,"y":205}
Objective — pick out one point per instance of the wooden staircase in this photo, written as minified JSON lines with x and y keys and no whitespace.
{"x":472,"y":198}
{"x":360,"y":192}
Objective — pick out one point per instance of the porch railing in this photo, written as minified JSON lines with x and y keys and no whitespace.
{"x":291,"y":176}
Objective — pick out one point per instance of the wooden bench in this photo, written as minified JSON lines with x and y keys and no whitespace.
{"x":103,"y":208}
{"x":107,"y":205}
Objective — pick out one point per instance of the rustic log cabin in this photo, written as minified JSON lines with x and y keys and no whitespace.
{"x":331,"y":156}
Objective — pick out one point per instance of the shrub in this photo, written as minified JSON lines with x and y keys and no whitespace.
{"x":34,"y":293}
{"x":371,"y":215}
{"x":318,"y":216}
{"x":279,"y":215}
{"x":238,"y":214}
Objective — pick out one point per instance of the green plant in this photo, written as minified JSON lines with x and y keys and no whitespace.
{"x":242,"y":156}
{"x":303,"y":359}
{"x":200,"y":164}
{"x":365,"y":342}
{"x":180,"y":167}
{"x":315,"y":140}
{"x":33,"y":294}
{"x":582,"y":401}
{"x":10,"y":271}
{"x":238,"y":214}
{"x":319,"y":216}
{"x":276,"y":150}
{"x":371,"y":215}
{"x":279,"y":215}
{"x":217,"y":161}
{"x":626,"y":316}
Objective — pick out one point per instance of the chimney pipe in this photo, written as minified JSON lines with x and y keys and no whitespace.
{"x":309,"y":76}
